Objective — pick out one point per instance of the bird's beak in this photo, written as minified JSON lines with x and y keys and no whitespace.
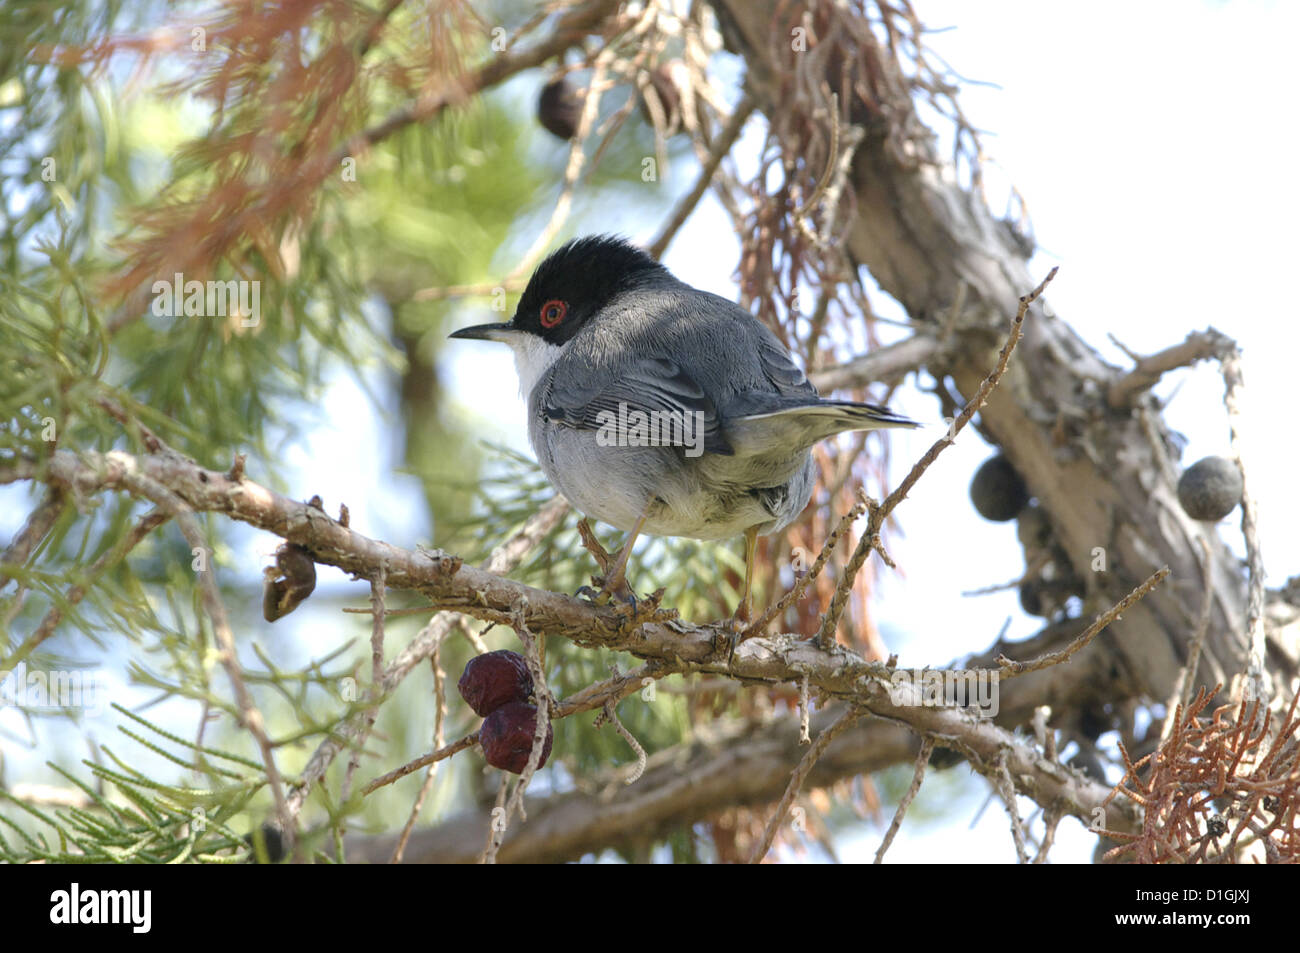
{"x":503,"y":332}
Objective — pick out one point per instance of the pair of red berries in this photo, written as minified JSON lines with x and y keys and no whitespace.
{"x":497,"y":685}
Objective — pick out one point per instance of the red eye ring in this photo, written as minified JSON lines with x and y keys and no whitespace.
{"x":553,"y":312}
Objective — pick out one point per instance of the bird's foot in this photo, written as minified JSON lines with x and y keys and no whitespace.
{"x":604,"y":594}
{"x":634,"y":610}
{"x":737,"y":628}
{"x":649,"y":609}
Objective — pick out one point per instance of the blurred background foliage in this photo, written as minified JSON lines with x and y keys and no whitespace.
{"x":99,"y":141}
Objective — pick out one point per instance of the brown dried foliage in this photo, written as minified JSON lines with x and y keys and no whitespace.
{"x":287,"y":85}
{"x":1218,"y":789}
{"x":853,"y":77}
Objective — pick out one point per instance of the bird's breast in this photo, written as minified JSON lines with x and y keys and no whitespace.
{"x":706,"y":497}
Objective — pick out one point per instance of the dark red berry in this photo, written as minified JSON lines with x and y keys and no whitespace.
{"x":507,"y":737}
{"x":495,"y":679}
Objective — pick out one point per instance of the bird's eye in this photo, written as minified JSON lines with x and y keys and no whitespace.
{"x":553,"y":312}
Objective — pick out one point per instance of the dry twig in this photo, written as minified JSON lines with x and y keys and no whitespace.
{"x":870,"y":538}
{"x":796,"y":781}
{"x":1012,"y":668}
{"x":918,"y":775}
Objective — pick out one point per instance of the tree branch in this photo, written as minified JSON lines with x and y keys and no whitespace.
{"x":736,"y":764}
{"x":837,"y":673}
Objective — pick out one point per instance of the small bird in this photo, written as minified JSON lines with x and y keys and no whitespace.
{"x":659,"y":408}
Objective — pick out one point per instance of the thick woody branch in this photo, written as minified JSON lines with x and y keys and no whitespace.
{"x":1199,"y":346}
{"x":886,"y":365}
{"x":835,"y":674}
{"x":736,"y":764}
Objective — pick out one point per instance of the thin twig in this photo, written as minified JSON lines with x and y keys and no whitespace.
{"x":918,"y":775}
{"x":804,"y":738}
{"x":1199,"y":346}
{"x":832,"y":157}
{"x":871,"y":536}
{"x":1011,"y":668}
{"x":1051,"y":819}
{"x":801,"y":585}
{"x":721,"y":147}
{"x":250,"y":717}
{"x":440,"y":714}
{"x":1002,"y":783}
{"x":609,"y":714}
{"x":39,"y":523}
{"x":497,"y":823}
{"x":378,"y":591}
{"x":1182,"y":693}
{"x":446,"y":751}
{"x":467,"y":629}
{"x":797,"y":779}
{"x":1233,"y":399}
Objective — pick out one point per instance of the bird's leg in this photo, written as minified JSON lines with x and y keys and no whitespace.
{"x":742,"y":608}
{"x":592,"y":545}
{"x":613,"y":581}
{"x":616,"y":577}
{"x":742,"y":612}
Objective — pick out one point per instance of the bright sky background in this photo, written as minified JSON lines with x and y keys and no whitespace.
{"x":1151,"y":144}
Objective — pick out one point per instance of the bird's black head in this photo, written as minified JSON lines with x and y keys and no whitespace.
{"x":571,"y":287}
{"x":576,"y":281}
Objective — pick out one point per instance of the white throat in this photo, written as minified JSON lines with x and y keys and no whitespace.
{"x":533,"y":358}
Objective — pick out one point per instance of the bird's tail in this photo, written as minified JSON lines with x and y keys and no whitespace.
{"x":851,"y":415}
{"x":805,"y":424}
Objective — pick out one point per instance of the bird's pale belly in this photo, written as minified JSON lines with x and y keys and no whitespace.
{"x":617,"y":485}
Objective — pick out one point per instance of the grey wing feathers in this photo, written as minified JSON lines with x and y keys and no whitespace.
{"x":757,"y":400}
{"x":650,"y":385}
{"x":780,"y":370}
